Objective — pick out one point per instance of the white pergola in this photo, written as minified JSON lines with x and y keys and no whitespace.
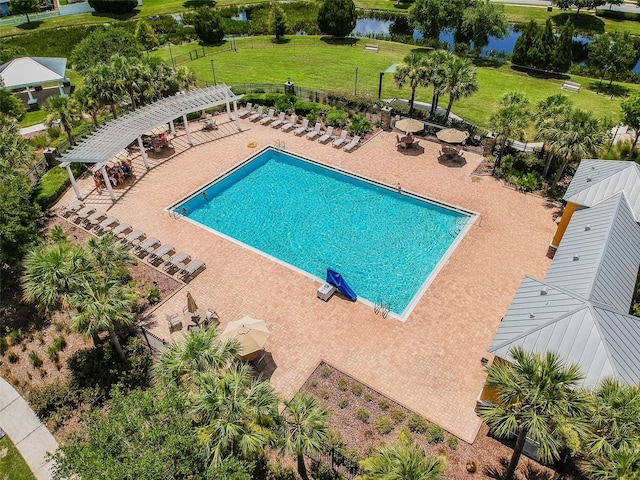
{"x":106,"y":142}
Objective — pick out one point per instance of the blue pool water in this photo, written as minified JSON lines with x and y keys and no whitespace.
{"x":385,"y":244}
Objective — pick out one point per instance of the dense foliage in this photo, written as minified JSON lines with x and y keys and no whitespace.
{"x":631,"y":116}
{"x":24,"y":7}
{"x":612,"y":54}
{"x":277,"y":21}
{"x":101,"y":44}
{"x":337,"y":17}
{"x":540,"y":48}
{"x":208,"y":25}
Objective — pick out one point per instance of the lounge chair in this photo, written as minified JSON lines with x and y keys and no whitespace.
{"x":94,"y":219}
{"x":302,"y":128}
{"x":122,"y":230}
{"x":147,"y":246}
{"x":327,"y":136}
{"x":162,"y":253}
{"x":290,"y":124}
{"x":342,"y":139}
{"x":278,"y":121}
{"x":134,"y":238}
{"x":174,"y":321}
{"x":175,"y":262}
{"x":247,"y":110}
{"x":269,"y":117}
{"x":257,"y":115}
{"x":352,"y":144}
{"x":189,"y":272}
{"x":107,"y":225}
{"x":315,"y":132}
{"x":71,"y":208}
{"x":83,"y":213}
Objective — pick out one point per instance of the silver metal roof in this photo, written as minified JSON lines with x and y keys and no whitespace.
{"x":599,"y":254}
{"x":107,"y":141}
{"x":597,"y":180}
{"x":31,"y":71}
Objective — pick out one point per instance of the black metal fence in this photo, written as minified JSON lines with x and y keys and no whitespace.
{"x":337,"y":461}
{"x":154,"y":343}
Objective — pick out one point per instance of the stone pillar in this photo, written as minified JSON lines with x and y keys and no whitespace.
{"x":489,"y":145}
{"x":385,"y":118}
{"x":289,"y":88}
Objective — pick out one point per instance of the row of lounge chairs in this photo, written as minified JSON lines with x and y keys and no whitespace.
{"x":143,"y":247}
{"x":301,"y":129}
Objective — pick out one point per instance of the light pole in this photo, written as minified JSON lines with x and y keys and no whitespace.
{"x":355,"y":85}
{"x":173,"y":63}
{"x":213,"y":70}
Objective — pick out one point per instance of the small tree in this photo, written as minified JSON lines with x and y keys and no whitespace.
{"x":511,"y":119}
{"x":562,"y":53}
{"x":520,"y":55}
{"x":64,"y":110}
{"x":631,"y":117}
{"x":10,"y":105}
{"x":337,"y":17}
{"x":612,"y":54}
{"x":413,"y":71}
{"x":146,"y":36}
{"x":208,"y":25}
{"x":277,"y":21}
{"x":482,"y":20}
{"x":24,"y":7}
{"x":428,"y":16}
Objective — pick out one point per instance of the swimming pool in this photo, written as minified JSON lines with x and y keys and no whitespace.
{"x":387,"y":245}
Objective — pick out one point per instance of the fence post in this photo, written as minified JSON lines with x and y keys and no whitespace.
{"x":190,"y":57}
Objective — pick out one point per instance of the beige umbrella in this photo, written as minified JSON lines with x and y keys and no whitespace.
{"x":250,"y":332}
{"x":409,"y":125}
{"x":157,"y":130}
{"x":452,"y":135}
{"x":191,"y":303}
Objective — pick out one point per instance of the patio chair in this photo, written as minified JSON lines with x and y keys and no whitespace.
{"x":73,"y":207}
{"x":162,"y":253}
{"x":94,"y":219}
{"x":278,"y":121}
{"x":342,"y":139}
{"x":174,"y":321}
{"x":175,"y":262}
{"x":145,"y":248}
{"x":269,"y":117}
{"x":400,"y":143}
{"x":83,"y":213}
{"x":327,"y":136}
{"x":302,"y":128}
{"x":211,"y":317}
{"x":122,"y":230}
{"x":107,"y":225}
{"x":355,"y":142}
{"x":192,"y":270}
{"x":315,"y":132}
{"x":257,"y":115}
{"x":134,"y":238}
{"x":247,"y":110}
{"x":292,"y":123}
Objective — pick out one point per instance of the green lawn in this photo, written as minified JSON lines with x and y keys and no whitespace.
{"x":32,"y":118}
{"x":258,"y":60}
{"x":11,"y":462}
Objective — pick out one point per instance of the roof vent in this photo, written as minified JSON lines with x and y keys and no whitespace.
{"x":576,"y":258}
{"x":587,"y":228}
{"x":544,"y":290}
{"x":532,"y":315}
{"x":588,"y":179}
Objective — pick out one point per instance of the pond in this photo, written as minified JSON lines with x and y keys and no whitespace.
{"x":368,"y":27}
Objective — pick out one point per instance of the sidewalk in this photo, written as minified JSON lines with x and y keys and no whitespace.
{"x":29,"y":435}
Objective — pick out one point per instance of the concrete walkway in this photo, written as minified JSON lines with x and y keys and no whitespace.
{"x":29,"y":435}
{"x":38,"y":127}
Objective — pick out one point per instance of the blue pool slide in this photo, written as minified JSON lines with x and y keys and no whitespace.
{"x":335,"y":279}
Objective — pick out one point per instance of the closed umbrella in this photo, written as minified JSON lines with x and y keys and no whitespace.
{"x":191,"y":303}
{"x":452,"y":135}
{"x":250,"y":332}
{"x":409,"y":125}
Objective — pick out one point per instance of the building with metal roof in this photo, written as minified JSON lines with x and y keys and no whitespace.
{"x":25,"y":72}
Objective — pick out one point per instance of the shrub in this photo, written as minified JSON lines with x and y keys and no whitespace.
{"x":335,"y":440}
{"x":12,"y":357}
{"x":343,"y":403}
{"x":324,"y":393}
{"x":336,"y":118}
{"x":305,"y":108}
{"x":153,"y":295}
{"x":59,"y":343}
{"x":53,"y":132}
{"x":452,"y":442}
{"x":208,"y":25}
{"x":314,"y":383}
{"x":398,"y":415}
{"x":36,"y":361}
{"x":359,"y":126}
{"x":52,"y":353}
{"x":53,"y":184}
{"x":322,"y":472}
{"x":527,"y":183}
{"x":285,"y":104}
{"x":384,"y":404}
{"x":343,"y":384}
{"x":362,"y":414}
{"x":435,"y":434}
{"x":15,"y":337}
{"x":118,"y":7}
{"x":417,"y":424}
{"x":471,"y":466}
{"x":4,"y":345}
{"x":368,"y":397}
{"x":326,"y":372}
{"x":384,"y":425}
{"x":356,"y":389}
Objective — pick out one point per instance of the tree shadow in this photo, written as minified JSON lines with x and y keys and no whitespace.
{"x":489,"y":62}
{"x":581,"y":21}
{"x":339,"y":40}
{"x":613,"y":90}
{"x":280,"y":41}
{"x":421,"y":50}
{"x":199,"y":3}
{"x":117,"y":16}
{"x":402,"y":5}
{"x":540,"y":74}
{"x":32,"y":25}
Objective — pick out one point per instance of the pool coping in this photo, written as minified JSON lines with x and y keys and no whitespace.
{"x":406,"y":312}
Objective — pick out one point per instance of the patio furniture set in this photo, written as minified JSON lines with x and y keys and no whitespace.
{"x":99,"y":223}
{"x":291,"y":124}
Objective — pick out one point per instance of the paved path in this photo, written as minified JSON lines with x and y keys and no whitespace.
{"x":29,"y":435}
{"x":38,"y":127}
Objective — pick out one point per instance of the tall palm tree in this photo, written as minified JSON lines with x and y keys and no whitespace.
{"x":53,"y":272}
{"x":510,"y":120}
{"x":547,"y":114}
{"x":104,"y":87}
{"x":237,"y":414}
{"x":109,"y":256}
{"x":15,"y":152}
{"x":159,"y":78}
{"x":536,"y":394}
{"x":88,"y":102}
{"x":461,"y":80}
{"x":411,"y":71}
{"x":305,"y":427}
{"x":403,"y":461}
{"x":197,"y":353}
{"x":436,"y":67}
{"x":103,"y":305}
{"x":64,"y":110}
{"x":130,"y":75}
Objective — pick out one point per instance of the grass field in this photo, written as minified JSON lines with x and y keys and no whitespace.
{"x":11,"y":462}
{"x":258,"y":60}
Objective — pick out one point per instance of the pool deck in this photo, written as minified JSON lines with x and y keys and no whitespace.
{"x":431,"y":362}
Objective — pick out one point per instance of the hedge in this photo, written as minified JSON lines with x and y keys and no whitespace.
{"x":53,"y":184}
{"x":601,"y":12}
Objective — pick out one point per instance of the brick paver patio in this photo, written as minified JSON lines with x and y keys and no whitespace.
{"x":430,"y":363}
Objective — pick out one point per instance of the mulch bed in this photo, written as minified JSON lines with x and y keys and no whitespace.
{"x":489,"y":455}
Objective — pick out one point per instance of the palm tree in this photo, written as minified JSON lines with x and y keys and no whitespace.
{"x":197,"y":353}
{"x":15,"y":152}
{"x":52,"y":273}
{"x":305,"y":425}
{"x":403,"y":461}
{"x":510,"y":120}
{"x":536,"y":395}
{"x":104,"y":87}
{"x":622,"y":464}
{"x":109,"y":256}
{"x":159,"y":78}
{"x":130,"y":75}
{"x":413,"y":71}
{"x":88,"y":102}
{"x":185,"y":78}
{"x":460,"y":80}
{"x":64,"y":110}
{"x":436,"y":67}
{"x":547,"y":114}
{"x":237,"y":414}
{"x":103,"y":305}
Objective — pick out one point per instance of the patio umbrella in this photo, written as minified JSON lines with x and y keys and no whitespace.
{"x":157,"y":130}
{"x":409,"y":125}
{"x":452,"y":135}
{"x":191,"y":303}
{"x":250,"y":332}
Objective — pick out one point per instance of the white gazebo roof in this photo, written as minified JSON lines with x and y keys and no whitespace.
{"x":33,"y":71}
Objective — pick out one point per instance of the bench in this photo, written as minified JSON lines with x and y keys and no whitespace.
{"x":571,"y":87}
{"x":371,"y":48}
